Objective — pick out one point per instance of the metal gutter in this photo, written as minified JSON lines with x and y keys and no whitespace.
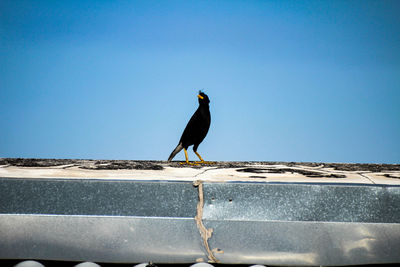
{"x":125,"y":221}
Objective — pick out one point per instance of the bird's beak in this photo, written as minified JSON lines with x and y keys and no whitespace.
{"x":199,"y":96}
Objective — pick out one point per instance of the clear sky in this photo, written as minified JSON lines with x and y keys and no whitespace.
{"x":288,"y":80}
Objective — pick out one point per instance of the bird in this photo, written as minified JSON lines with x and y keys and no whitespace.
{"x":196,"y":130}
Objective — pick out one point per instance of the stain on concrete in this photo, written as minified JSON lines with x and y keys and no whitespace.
{"x":308,"y":173}
{"x":388,"y":175}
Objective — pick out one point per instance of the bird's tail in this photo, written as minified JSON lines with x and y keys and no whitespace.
{"x":177,"y":149}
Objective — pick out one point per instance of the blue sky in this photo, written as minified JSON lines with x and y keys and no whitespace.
{"x":288,"y":80}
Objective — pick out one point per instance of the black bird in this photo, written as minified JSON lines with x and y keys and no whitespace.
{"x":196,"y":129}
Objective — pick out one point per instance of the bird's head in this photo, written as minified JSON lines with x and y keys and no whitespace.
{"x":203,"y":98}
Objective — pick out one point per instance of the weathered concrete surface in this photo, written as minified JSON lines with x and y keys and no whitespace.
{"x":297,"y":172}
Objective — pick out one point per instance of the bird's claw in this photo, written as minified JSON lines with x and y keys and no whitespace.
{"x":205,"y":162}
{"x":189,"y":163}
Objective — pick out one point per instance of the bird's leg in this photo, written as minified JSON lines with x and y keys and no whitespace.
{"x":187,"y":159}
{"x":202,"y":160}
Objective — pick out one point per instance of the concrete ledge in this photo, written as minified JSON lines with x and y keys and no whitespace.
{"x":291,"y":172}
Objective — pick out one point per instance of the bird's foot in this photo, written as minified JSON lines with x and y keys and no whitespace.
{"x":205,"y":162}
{"x":189,"y":163}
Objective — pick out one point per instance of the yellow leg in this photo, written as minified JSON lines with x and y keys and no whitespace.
{"x":187,"y":159}
{"x":202,"y":160}
{"x":186,"y":156}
